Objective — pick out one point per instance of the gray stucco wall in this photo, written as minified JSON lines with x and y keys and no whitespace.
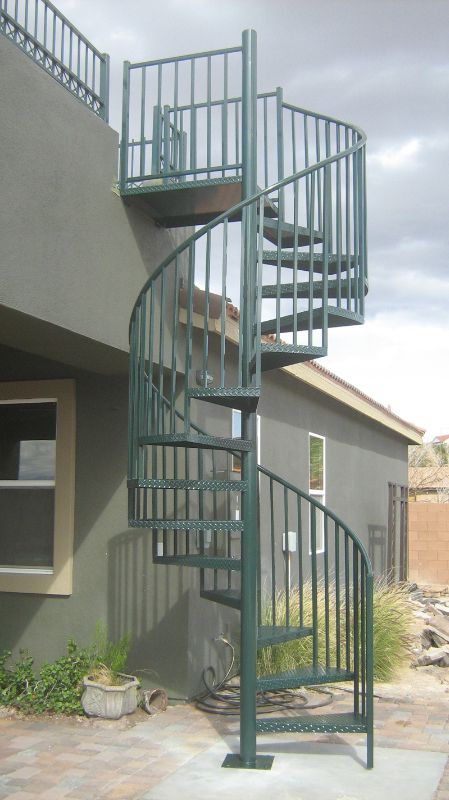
{"x":73,"y":254}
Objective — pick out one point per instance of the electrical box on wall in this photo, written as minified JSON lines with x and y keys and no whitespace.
{"x":289,"y":542}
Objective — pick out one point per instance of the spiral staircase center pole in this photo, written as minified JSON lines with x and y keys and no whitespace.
{"x":249,"y":421}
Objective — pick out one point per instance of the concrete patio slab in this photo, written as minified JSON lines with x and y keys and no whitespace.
{"x":313,"y":772}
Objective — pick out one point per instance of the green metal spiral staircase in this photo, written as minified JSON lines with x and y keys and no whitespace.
{"x":201,"y":147}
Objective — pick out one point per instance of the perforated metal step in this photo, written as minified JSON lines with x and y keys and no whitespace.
{"x":268,"y":635}
{"x":277,"y":355}
{"x":303,"y":676}
{"x":324,"y":723}
{"x":336,"y":317}
{"x":283,"y":233}
{"x":245,"y":399}
{"x":188,"y":524}
{"x":203,"y":562}
{"x":303,"y":289}
{"x":189,"y":485}
{"x":302,"y":261}
{"x":226,"y":597}
{"x":198,"y":441}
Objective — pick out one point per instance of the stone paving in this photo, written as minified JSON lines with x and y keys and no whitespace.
{"x":57,"y":758}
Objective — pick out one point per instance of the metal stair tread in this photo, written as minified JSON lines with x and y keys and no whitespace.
{"x":188,"y":524}
{"x":318,"y":723}
{"x":336,"y":317}
{"x":196,"y":440}
{"x":268,"y":635}
{"x":201,"y":561}
{"x":278,"y":354}
{"x":226,"y":597}
{"x":287,"y":290}
{"x":303,"y":676}
{"x":287,"y":259}
{"x":189,"y":485}
{"x":284,"y":232}
{"x":244,"y":398}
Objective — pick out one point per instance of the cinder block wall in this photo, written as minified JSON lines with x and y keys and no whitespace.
{"x":429,"y":543}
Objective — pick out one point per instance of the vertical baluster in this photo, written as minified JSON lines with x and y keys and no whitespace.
{"x":347,"y":607}
{"x":337,"y":595}
{"x":224,"y":117}
{"x":355,"y":601}
{"x":273,"y":555}
{"x":151,"y":359}
{"x":348,"y":221}
{"x":314,"y":585}
{"x":258,"y":332}
{"x":142,"y":352}
{"x":174,"y":338}
{"x":355,"y":214}
{"x":165,"y":533}
{"x":131,"y":146}
{"x":237,"y":137}
{"x":338,"y":222}
{"x":287,"y":560}
{"x":228,"y":534}
{"x":265,"y":140}
{"x":176,"y":143}
{"x":215,"y":516}
{"x":45,"y":24}
{"x":189,"y":334}
{"x":326,"y":590}
{"x":142,"y":169}
{"x":187,"y":496}
{"x":209,"y":115}
{"x":369,"y":669}
{"x":300,"y":565}
{"x":363,"y":636}
{"x":224,"y":270}
{"x":166,"y":144}
{"x":36,"y":19}
{"x":70,"y":45}
{"x":201,"y":512}
{"x":161,"y":361}
{"x":206,"y":310}
{"x":86,"y":64}
{"x":295,"y":262}
{"x":26,"y":17}
{"x":328,"y":178}
{"x":124,"y":143}
{"x":311,"y":255}
{"x":306,"y":164}
{"x":192,"y":118}
{"x":280,"y":147}
{"x":318,"y":158}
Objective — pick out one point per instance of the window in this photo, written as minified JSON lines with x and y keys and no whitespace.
{"x":37,"y":448}
{"x":317,"y":466}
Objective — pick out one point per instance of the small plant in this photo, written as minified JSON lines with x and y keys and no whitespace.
{"x":108,"y":659}
{"x":392,"y":626}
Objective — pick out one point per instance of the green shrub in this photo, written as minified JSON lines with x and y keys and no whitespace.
{"x":58,"y":685}
{"x":392,"y":624}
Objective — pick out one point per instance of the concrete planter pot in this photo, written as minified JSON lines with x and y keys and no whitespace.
{"x":109,"y":702}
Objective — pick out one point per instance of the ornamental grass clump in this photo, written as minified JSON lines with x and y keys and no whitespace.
{"x":392,"y":629}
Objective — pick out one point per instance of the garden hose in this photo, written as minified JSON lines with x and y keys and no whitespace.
{"x":223,"y":697}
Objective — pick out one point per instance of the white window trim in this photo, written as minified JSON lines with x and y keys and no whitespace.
{"x":319,"y":494}
{"x":58,"y":579}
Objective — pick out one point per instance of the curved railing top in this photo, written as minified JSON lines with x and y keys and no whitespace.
{"x":314,"y":502}
{"x":235,"y":209}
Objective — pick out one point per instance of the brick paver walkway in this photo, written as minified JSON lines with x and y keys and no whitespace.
{"x":86,"y":759}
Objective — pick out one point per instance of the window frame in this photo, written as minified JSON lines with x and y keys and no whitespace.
{"x":55,"y":580}
{"x":320,"y":495}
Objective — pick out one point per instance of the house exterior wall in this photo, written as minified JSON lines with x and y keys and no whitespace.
{"x":429,"y":542}
{"x":74,"y":256}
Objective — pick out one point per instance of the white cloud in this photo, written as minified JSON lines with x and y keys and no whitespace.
{"x":397,"y":157}
{"x":399,"y":363}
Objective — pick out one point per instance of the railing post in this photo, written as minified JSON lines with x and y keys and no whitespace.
{"x":280,"y":146}
{"x":104,"y":86}
{"x":125,"y":128}
{"x":249,"y":422}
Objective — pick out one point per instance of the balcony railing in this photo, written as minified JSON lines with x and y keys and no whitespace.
{"x":46,"y":36}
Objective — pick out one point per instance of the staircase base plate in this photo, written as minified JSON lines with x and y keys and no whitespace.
{"x":232,"y":761}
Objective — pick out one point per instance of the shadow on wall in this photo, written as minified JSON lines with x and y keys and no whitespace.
{"x":152,"y":604}
{"x":377,"y":548}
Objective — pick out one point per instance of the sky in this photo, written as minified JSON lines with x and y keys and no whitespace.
{"x":383,"y":65}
